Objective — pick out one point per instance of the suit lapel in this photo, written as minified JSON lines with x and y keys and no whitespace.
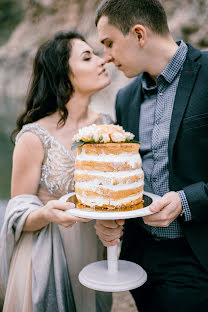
{"x":186,"y":83}
{"x":134,"y":109}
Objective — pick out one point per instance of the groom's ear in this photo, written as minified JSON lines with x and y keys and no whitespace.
{"x":140,"y":33}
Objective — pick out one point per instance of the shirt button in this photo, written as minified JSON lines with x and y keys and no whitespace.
{"x":160,"y":93}
{"x":154,"y":179}
{"x":157,"y":122}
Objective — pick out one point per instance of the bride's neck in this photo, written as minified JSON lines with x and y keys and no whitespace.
{"x":77,"y":108}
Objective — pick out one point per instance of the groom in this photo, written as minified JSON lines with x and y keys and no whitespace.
{"x":166,"y":107}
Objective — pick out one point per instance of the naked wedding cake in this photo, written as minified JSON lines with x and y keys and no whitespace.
{"x":108,"y":173}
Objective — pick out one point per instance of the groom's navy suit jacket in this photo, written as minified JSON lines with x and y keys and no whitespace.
{"x":187,"y":149}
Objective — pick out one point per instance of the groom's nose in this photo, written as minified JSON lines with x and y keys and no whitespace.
{"x":107,"y":58}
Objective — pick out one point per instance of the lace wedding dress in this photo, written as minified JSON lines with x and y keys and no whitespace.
{"x":80,"y":242}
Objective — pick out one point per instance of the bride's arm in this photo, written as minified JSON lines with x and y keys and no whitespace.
{"x":26,"y":170}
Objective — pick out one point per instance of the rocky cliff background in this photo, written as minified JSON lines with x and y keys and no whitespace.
{"x":25,"y":24}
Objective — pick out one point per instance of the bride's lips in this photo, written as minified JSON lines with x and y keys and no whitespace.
{"x":102,"y":72}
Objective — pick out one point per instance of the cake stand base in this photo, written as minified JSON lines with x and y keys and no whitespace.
{"x":97,"y":276}
{"x":112,"y":275}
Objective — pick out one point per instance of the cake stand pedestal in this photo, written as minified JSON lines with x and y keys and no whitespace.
{"x":112,"y":275}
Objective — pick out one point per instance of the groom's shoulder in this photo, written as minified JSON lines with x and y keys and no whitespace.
{"x":131,"y":87}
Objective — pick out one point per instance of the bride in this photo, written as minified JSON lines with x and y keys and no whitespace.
{"x":42,"y":247}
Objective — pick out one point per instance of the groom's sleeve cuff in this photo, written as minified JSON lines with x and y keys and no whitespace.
{"x":186,"y":213}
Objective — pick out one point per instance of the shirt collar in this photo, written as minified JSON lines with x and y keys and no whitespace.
{"x":176,"y":63}
{"x":147,"y":83}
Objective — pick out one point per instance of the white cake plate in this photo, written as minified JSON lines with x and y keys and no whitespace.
{"x":112,"y":275}
{"x":111,"y":215}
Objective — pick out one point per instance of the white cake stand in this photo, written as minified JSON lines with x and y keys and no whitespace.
{"x":112,"y":275}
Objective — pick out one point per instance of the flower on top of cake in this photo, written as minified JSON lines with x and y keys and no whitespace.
{"x":101,"y":134}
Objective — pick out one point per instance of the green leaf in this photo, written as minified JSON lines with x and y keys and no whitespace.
{"x":100,"y":139}
{"x":132,"y":141}
{"x":76,"y":144}
{"x":92,"y":140}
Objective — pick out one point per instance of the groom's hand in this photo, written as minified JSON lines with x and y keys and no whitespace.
{"x":109,"y":231}
{"x":167,"y":209}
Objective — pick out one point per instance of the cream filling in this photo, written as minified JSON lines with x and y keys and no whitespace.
{"x":100,"y":201}
{"x":121,"y":158}
{"x":94,"y":186}
{"x":114,"y":174}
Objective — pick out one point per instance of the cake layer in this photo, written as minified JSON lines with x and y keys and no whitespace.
{"x":93,"y":186}
{"x":99,"y":201}
{"x":129,"y":208}
{"x":109,"y":148}
{"x":108,"y":193}
{"x":110,"y":178}
{"x":106,"y":163}
{"x":106,"y":166}
{"x":122,"y":157}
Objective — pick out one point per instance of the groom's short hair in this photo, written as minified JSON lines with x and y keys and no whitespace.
{"x":124,"y":14}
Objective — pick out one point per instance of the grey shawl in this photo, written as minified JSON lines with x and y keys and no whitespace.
{"x":51,"y":288}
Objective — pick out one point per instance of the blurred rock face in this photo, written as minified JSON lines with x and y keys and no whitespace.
{"x":39,"y":19}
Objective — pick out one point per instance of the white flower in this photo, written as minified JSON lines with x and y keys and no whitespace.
{"x":129,"y":135}
{"x":119,"y":128}
{"x":76,"y":138}
{"x":86,"y":133}
{"x":96,"y":136}
{"x":118,"y":137}
{"x":106,"y":138}
{"x":108,"y":133}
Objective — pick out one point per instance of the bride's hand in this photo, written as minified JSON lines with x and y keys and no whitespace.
{"x":55,"y":211}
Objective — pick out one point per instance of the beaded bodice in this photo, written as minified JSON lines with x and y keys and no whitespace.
{"x":57,"y":171}
{"x":58,"y":164}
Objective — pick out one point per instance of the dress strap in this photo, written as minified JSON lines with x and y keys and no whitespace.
{"x":37,"y":129}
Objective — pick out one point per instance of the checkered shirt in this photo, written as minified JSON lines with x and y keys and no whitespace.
{"x":154,"y":128}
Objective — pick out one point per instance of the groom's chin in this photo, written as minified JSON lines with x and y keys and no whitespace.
{"x":130,"y":75}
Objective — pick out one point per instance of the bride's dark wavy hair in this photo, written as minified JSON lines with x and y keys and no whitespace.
{"x":50,"y":87}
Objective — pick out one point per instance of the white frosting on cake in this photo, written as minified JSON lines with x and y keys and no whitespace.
{"x":127,"y":158}
{"x":100,"y":201}
{"x":114,"y":174}
{"x":94,"y":186}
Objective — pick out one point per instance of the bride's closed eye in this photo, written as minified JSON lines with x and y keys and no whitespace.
{"x":86,"y":55}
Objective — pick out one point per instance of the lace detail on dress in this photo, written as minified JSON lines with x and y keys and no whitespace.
{"x":57,"y":172}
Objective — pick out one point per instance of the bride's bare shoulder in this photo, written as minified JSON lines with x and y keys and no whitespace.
{"x":29,"y":144}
